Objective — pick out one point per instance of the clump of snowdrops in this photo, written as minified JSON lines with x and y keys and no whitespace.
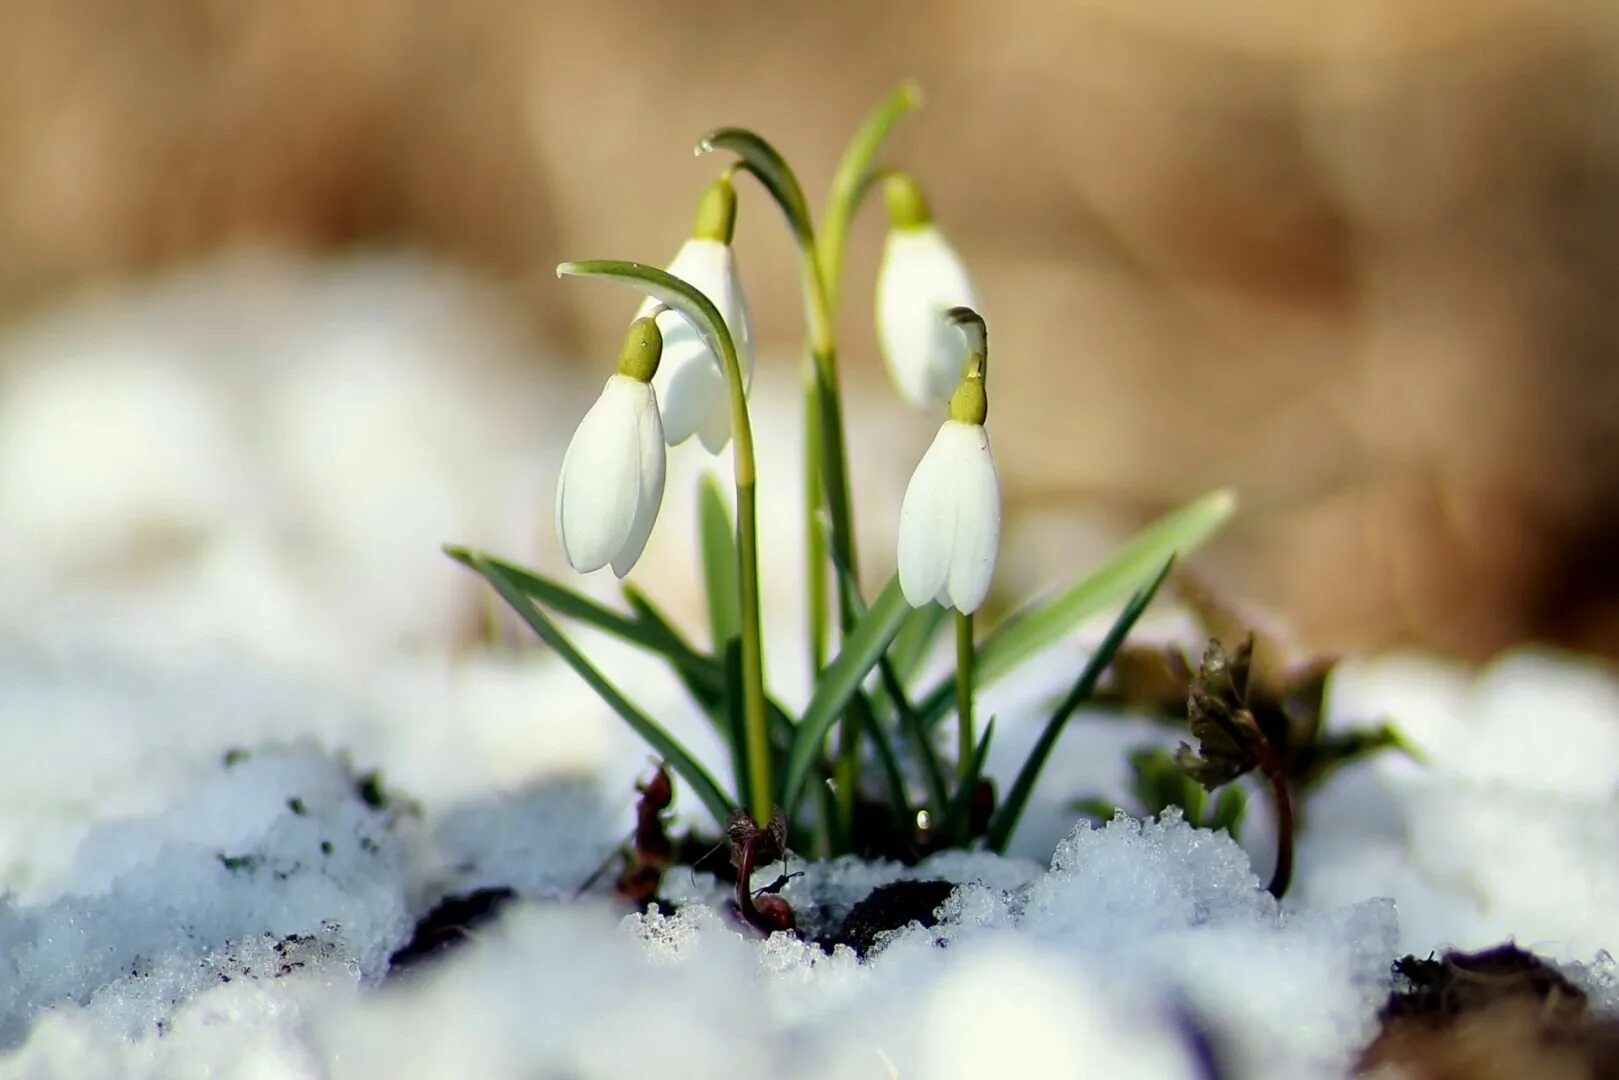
{"x":684,"y":370}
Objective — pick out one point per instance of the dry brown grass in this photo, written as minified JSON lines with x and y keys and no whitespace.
{"x":1357,"y":258}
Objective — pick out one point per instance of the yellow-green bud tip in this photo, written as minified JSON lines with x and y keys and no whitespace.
{"x":716,"y":213}
{"x":907,"y":206}
{"x":643,"y":347}
{"x":969,"y":404}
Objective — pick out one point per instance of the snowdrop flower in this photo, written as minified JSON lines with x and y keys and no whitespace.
{"x":950,"y":521}
{"x":690,"y":380}
{"x":612,"y":474}
{"x":921,"y":278}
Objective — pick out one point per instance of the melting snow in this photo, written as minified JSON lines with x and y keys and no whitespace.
{"x":197,"y":879}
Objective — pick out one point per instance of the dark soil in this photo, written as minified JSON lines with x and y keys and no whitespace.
{"x":1494,"y":1014}
{"x":450,"y":924}
{"x":889,"y":907}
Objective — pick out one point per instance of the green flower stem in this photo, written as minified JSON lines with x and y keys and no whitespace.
{"x":846,"y":776}
{"x":850,"y":184}
{"x":747,"y":536}
{"x":964,"y":694}
{"x":753,"y":675}
{"x":697,"y":308}
{"x":815,"y":553}
{"x":829,"y":412}
{"x":852,"y":181}
{"x":823,"y":423}
{"x":826,"y":457}
{"x":759,"y":158}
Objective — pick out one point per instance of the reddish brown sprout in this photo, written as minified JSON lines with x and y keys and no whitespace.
{"x":751,"y":848}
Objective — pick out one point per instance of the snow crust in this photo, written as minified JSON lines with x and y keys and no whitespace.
{"x":222,"y":608}
{"x":1506,"y":829}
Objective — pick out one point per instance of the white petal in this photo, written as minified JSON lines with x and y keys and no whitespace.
{"x":716,"y":429}
{"x":950,"y":522}
{"x":978,"y":518}
{"x":649,"y":493}
{"x":927,"y":526}
{"x":921,"y":278}
{"x":599,"y":495}
{"x":689,"y":378}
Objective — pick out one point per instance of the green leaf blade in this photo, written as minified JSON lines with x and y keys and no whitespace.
{"x":717,"y":536}
{"x":853,"y":177}
{"x":915,"y":639}
{"x":735,"y":728}
{"x":955,"y":821}
{"x":698,"y":682}
{"x":1006,"y":818}
{"x":666,"y":745}
{"x":862,"y":649}
{"x":706,"y":678}
{"x":560,"y":599}
{"x":899,"y":799}
{"x":1045,"y":623}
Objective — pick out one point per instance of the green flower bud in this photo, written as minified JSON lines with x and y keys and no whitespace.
{"x":643,"y":347}
{"x":969,"y":404}
{"x":907,"y":206}
{"x":716,"y":213}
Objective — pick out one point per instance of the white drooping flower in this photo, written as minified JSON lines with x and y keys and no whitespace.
{"x":920,"y":278}
{"x":612,"y":474}
{"x":692,"y":393}
{"x":950,"y":522}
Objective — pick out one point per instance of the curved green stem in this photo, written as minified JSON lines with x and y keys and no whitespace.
{"x":853,"y":180}
{"x":767,"y":165}
{"x":964,"y":694}
{"x":824,"y":441}
{"x":971,"y":325}
{"x":702,"y":314}
{"x":826,"y":460}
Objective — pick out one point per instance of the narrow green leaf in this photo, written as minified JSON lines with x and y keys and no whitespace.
{"x":765,"y":162}
{"x":1194,"y":799}
{"x":862,"y":648}
{"x":735,"y":727}
{"x":915,"y":639}
{"x":922,"y":746}
{"x":1097,"y":809}
{"x":1047,"y":623}
{"x":971,"y":325}
{"x":932,"y":772}
{"x":955,"y":820}
{"x":899,"y":799}
{"x":718,"y":537}
{"x":853,"y":178}
{"x":1043,"y":624}
{"x":664,"y":744}
{"x":1229,"y":809}
{"x":561,"y":599}
{"x":1006,"y":818}
{"x":699,"y":682}
{"x":1159,"y":783}
{"x":703,"y":676}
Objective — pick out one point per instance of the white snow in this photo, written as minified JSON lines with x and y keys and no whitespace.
{"x":221,"y":500}
{"x":1507,"y":830}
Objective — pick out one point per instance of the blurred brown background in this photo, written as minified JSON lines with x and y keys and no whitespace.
{"x":1356,"y":258}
